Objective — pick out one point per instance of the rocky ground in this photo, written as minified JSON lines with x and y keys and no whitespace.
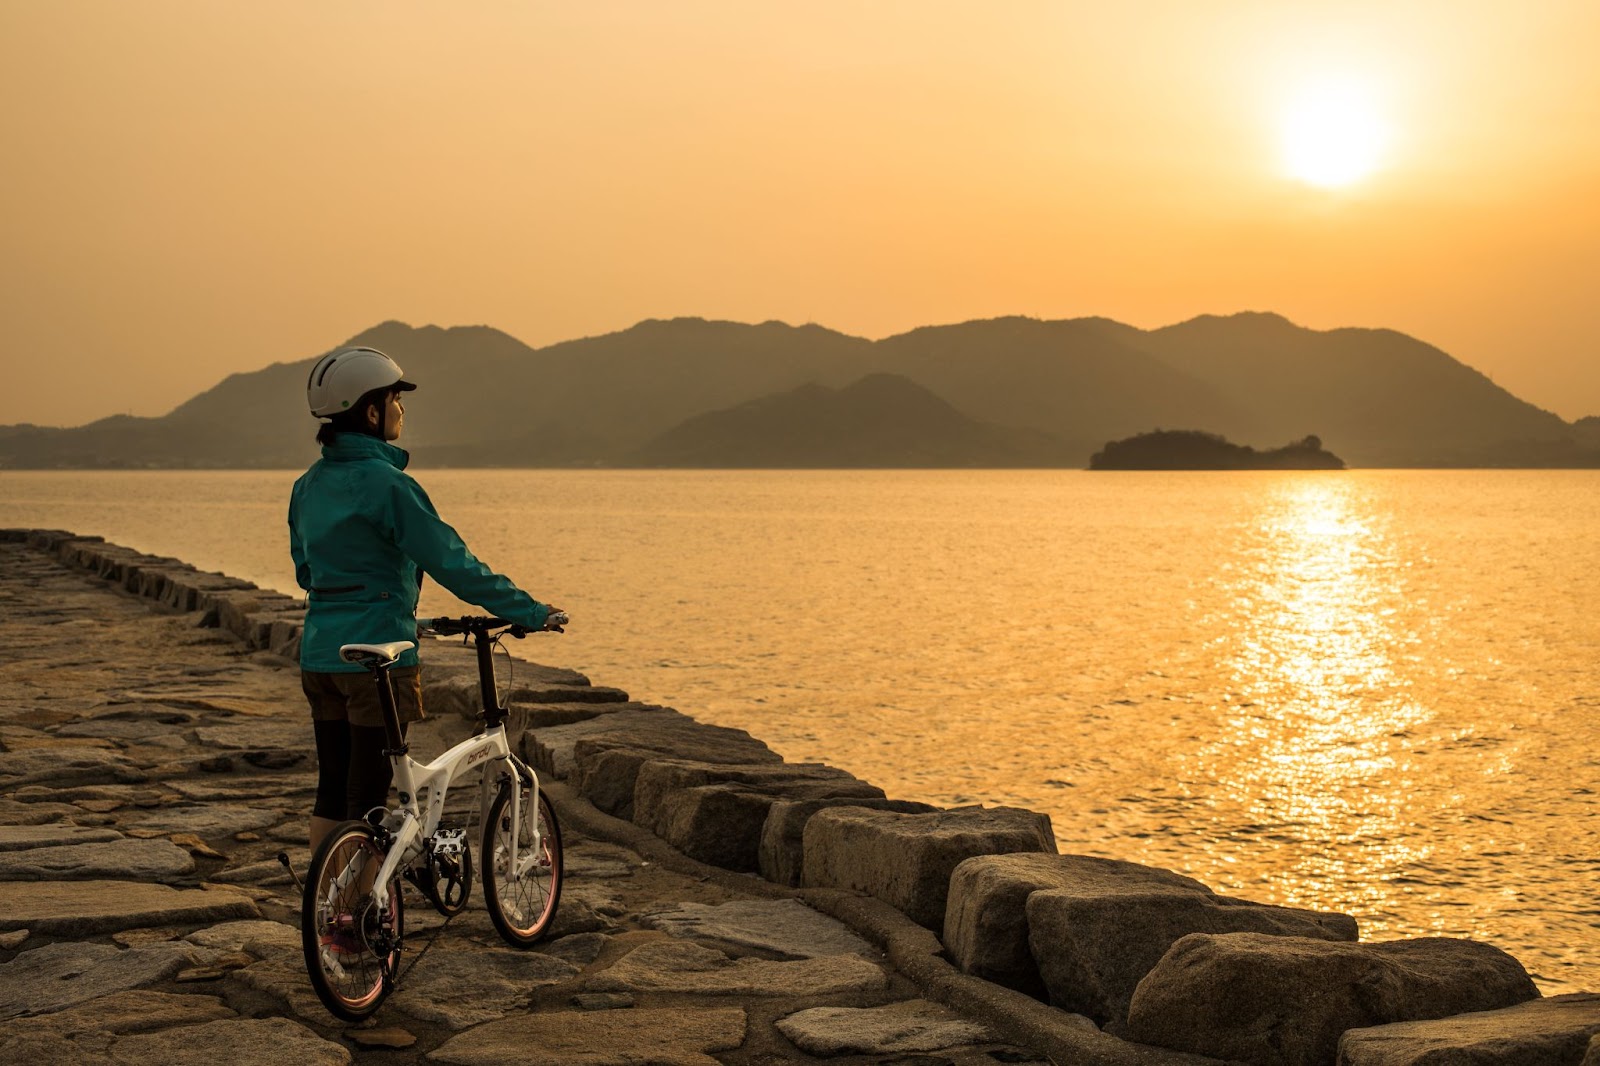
{"x":151,"y":769}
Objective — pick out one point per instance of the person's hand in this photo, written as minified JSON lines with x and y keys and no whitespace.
{"x":557,"y":621}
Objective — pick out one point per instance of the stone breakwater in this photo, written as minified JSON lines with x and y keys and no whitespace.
{"x":721,"y":904}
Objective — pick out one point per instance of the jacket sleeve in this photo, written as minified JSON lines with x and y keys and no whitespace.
{"x":418,"y":530}
{"x":297,"y":552}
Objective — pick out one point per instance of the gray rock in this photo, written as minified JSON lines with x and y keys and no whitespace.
{"x":13,"y":939}
{"x":906,"y":860}
{"x":258,"y":937}
{"x":288,"y":732}
{"x":460,"y":988}
{"x":780,"y":855}
{"x":1286,"y":1000}
{"x":146,"y":860}
{"x":899,"y":1028}
{"x":1592,"y":1056}
{"x":248,"y":1042}
{"x":580,"y":949}
{"x":600,"y":1038}
{"x":786,"y":927}
{"x":1541,"y":1032}
{"x":132,"y":1011}
{"x":681,"y":967}
{"x":212,"y":820}
{"x":60,"y":767}
{"x":61,"y":975}
{"x":120,"y":728}
{"x":1084,"y":930}
{"x":591,"y":861}
{"x":87,"y":908}
{"x":606,"y":767}
{"x":16,"y":837}
{"x":716,"y":812}
{"x":648,"y":728}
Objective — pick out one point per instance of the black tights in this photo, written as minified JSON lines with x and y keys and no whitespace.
{"x":353,"y":774}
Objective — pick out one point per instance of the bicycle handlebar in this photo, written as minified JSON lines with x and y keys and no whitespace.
{"x":483,"y":624}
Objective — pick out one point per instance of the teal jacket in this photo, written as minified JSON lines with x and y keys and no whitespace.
{"x":362,"y":533}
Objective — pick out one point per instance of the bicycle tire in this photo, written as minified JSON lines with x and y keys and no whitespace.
{"x":524,"y":909}
{"x":351,"y":950}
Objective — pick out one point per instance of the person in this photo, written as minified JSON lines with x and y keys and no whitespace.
{"x":362,"y":534}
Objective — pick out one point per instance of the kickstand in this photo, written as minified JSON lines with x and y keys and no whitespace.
{"x":283,"y":857}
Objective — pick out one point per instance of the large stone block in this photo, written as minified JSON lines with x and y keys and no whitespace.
{"x":986,"y":921}
{"x":659,"y":729}
{"x":716,"y":812}
{"x":781,"y":855}
{"x":1286,"y":1001}
{"x":1082,"y":931}
{"x":1541,"y":1032}
{"x":906,"y":859}
{"x":606,"y":766}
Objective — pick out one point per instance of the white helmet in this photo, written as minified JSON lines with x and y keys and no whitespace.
{"x":341,"y":378}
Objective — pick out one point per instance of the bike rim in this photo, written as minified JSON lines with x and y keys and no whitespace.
{"x":526,"y":903}
{"x":344,"y":914}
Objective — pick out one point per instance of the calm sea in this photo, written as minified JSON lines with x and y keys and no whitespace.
{"x":1370,"y":691}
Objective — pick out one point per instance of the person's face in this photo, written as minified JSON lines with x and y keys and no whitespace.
{"x":393,"y":420}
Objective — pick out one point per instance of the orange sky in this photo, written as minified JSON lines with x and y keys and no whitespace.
{"x":195,"y":188}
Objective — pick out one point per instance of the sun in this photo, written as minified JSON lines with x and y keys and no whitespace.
{"x":1333,"y":134}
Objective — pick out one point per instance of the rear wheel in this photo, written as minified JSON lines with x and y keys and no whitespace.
{"x":521,"y":878}
{"x":352,"y":947}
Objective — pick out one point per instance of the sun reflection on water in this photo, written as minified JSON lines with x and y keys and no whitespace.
{"x":1310,"y":739}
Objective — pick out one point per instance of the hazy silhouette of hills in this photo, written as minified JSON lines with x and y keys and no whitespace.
{"x":883,"y":420}
{"x":1187,"y":449}
{"x":1382,"y":397}
{"x":1059,"y":389}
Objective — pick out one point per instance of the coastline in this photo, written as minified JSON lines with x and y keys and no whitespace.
{"x":709,"y":805}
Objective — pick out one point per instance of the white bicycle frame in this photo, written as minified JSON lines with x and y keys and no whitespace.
{"x":408,"y":826}
{"x":406,"y":839}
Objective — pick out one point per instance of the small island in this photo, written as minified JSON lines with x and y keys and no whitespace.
{"x":1190,"y":449}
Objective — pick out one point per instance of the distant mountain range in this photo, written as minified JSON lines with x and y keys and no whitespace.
{"x":1001,"y":392}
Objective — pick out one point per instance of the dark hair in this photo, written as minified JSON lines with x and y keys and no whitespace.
{"x":354,"y":419}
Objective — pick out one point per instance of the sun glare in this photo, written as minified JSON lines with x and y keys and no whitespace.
{"x":1333,"y":134}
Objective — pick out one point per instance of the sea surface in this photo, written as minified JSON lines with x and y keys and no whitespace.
{"x":1368,"y":691}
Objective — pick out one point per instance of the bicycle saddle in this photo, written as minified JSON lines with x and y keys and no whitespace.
{"x":375,"y":654}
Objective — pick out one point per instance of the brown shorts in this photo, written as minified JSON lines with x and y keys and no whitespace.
{"x":354,"y":697}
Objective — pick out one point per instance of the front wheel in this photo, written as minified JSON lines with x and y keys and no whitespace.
{"x":521,"y":879}
{"x":352,"y":946}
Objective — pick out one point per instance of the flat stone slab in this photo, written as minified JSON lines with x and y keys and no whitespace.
{"x":899,"y":1028}
{"x":88,"y":908}
{"x":599,"y":1038}
{"x":59,"y":767}
{"x":238,"y":1041}
{"x":1541,"y":1032}
{"x":62,"y":975}
{"x":460,"y":988}
{"x":1287,"y":1000}
{"x":211,"y":820}
{"x":287,"y":732}
{"x":133,"y":1011}
{"x":17,"y":837}
{"x":145,"y":860}
{"x":784,"y":927}
{"x":259,"y":937}
{"x":682,"y":967}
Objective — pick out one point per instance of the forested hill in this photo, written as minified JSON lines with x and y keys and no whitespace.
{"x":1027,"y":392}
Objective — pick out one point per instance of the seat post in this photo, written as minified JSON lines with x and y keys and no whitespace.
{"x":391,"y":715}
